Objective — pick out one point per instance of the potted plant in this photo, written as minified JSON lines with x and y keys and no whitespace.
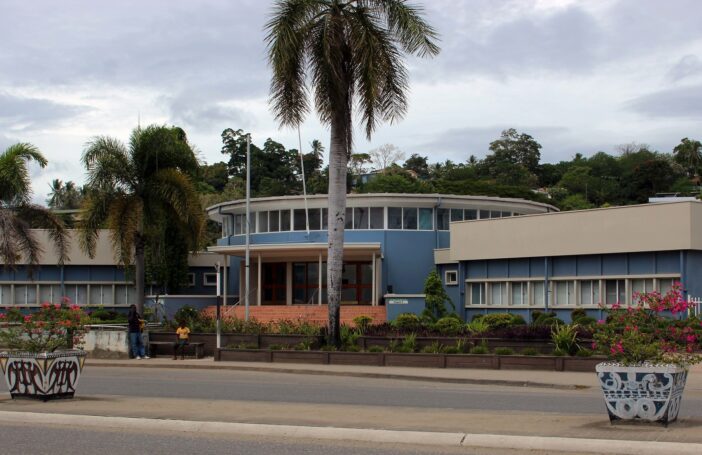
{"x":650,"y":348}
{"x":40,"y":362}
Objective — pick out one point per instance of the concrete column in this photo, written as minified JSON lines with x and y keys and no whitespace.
{"x":260,"y":283}
{"x":288,"y":283}
{"x":373,"y":290}
{"x":319,"y":280}
{"x":226,"y":282}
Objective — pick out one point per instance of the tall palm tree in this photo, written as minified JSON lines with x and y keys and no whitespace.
{"x":351,"y":52}
{"x":689,"y":154}
{"x":64,"y":196}
{"x":317,"y":148}
{"x":18,"y":214}
{"x":132,"y":188}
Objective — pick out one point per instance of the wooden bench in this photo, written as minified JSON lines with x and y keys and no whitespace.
{"x":197,"y":346}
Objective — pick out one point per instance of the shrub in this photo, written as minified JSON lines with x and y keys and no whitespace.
{"x":352,"y":348}
{"x":559,"y":352}
{"x":530,"y":351}
{"x":584,"y":352}
{"x":304,"y":345}
{"x":578,"y":313}
{"x":504,"y":351}
{"x":375,"y":348}
{"x":478,"y":326}
{"x":436,"y":296}
{"x":502,"y":320}
{"x":461,"y":346}
{"x":564,"y":337}
{"x":328,"y":347}
{"x":434,"y":348}
{"x":407,"y":321}
{"x":452,"y":350}
{"x":51,"y":327}
{"x":186,"y":313}
{"x":362,"y":322}
{"x":409,"y":343}
{"x":546,"y":319}
{"x":275,"y":347}
{"x":449,"y":326}
{"x":349,"y":336}
{"x":480,"y":349}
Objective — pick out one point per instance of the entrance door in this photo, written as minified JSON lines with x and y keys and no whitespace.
{"x":274,"y":284}
{"x":357,"y":279}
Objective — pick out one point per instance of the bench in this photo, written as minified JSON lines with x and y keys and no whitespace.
{"x":197,"y":346}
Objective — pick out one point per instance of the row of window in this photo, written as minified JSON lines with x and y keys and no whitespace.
{"x":395,"y":218}
{"x":562,"y":292}
{"x":80,"y":294}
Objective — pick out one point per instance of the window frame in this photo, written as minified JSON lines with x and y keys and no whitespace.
{"x":448,"y":281}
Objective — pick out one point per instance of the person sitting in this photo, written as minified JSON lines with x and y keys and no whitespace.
{"x":182,"y":339}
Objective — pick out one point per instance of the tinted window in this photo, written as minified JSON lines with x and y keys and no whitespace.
{"x":442,"y":219}
{"x":376,"y":218}
{"x":426,"y":219}
{"x":409,"y":218}
{"x":394,"y":218}
{"x":360,"y":218}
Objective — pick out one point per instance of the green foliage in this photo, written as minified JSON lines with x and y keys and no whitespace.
{"x":407,"y":322}
{"x":349,"y":336}
{"x":584,"y":352}
{"x":500,"y":320}
{"x":395,"y":183}
{"x":504,"y":351}
{"x":564,"y":337}
{"x":558,"y":352}
{"x":477,"y":326}
{"x":452,"y":350}
{"x":375,"y":348}
{"x":276,"y":347}
{"x":436,"y":296}
{"x":51,"y":327}
{"x":434,"y":348}
{"x":409,"y":343}
{"x":186,"y":313}
{"x":530,"y":352}
{"x":480,"y":349}
{"x":540,"y":318}
{"x":449,"y":326}
{"x":362,"y":322}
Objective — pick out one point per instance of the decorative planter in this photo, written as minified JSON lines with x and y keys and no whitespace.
{"x":44,"y":375}
{"x":646,"y":392}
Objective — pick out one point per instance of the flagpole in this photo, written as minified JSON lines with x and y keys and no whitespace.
{"x":248,"y":224}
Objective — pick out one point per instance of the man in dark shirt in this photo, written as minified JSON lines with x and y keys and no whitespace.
{"x":135,"y":341}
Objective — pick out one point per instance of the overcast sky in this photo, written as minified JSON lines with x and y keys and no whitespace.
{"x":579,"y":76}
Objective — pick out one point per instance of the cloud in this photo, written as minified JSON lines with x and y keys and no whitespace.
{"x":678,"y":102}
{"x":20,"y":114}
{"x":687,"y":66}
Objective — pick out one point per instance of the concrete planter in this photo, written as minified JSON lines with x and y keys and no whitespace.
{"x":44,"y":375}
{"x":643,"y":392}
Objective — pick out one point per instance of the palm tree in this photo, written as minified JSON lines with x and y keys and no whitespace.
{"x":351,"y":51}
{"x":317,"y":148}
{"x":18,"y":214}
{"x":132,"y":189}
{"x":689,"y":154}
{"x":64,"y":196}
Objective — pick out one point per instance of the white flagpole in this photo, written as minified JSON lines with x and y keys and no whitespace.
{"x":248,"y":224}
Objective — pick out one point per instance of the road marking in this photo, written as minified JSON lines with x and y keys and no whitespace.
{"x":467,"y":440}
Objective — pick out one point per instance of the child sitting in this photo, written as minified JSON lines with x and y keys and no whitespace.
{"x":182,"y":338}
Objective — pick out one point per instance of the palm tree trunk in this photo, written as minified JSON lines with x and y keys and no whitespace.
{"x":338,"y":160}
{"x":139,"y":272}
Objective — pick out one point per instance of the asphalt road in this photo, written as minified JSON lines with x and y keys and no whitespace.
{"x":20,"y":439}
{"x":298,"y":388}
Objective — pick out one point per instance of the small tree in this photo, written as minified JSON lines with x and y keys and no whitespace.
{"x":436,"y":297}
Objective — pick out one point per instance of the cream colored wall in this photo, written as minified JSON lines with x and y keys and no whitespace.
{"x":649,"y":227}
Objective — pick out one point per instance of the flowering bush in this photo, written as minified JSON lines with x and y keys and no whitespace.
{"x":650,"y":331}
{"x":52,"y":327}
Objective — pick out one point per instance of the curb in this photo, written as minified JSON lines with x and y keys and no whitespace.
{"x":353,"y":374}
{"x":489,"y":441}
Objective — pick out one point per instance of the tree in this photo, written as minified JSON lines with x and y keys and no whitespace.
{"x":134,"y":190}
{"x":436,"y":297}
{"x":418,"y":164}
{"x":18,"y":214}
{"x":351,"y":51}
{"x":385,"y":156}
{"x":64,"y":196}
{"x":357,"y":163}
{"x":517,"y":148}
{"x":689,"y":154}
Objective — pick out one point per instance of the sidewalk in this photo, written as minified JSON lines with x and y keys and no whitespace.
{"x":517,"y":378}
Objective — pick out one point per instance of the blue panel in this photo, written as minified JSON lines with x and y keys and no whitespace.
{"x":498,"y":268}
{"x":614,"y":264}
{"x":589,"y":265}
{"x":102,"y":273}
{"x":414,"y":305}
{"x":408,"y":259}
{"x":476,"y":269}
{"x":642,"y":263}
{"x":668,"y":262}
{"x":453,"y":291}
{"x":518,"y":268}
{"x":563,"y":266}
{"x":693,"y":272}
{"x":537,"y":267}
{"x":444,"y":239}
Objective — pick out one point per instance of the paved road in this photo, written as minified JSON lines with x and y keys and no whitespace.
{"x":294,"y":388}
{"x":25,"y":439}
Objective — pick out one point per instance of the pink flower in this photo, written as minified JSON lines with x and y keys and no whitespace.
{"x":74,"y":307}
{"x":57,"y":306}
{"x":691,"y":338}
{"x":602,"y":322}
{"x":28,"y":318}
{"x":45,"y":305}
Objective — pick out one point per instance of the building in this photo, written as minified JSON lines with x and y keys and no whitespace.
{"x":388,"y":251}
{"x":561,"y":261}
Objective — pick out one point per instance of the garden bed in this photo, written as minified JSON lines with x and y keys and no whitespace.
{"x":417,"y":360}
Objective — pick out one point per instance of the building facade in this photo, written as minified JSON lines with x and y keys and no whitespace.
{"x":567,"y":260}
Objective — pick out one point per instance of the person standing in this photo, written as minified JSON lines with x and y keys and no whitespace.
{"x":135,"y":341}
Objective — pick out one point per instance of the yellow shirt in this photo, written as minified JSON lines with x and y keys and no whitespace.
{"x":183,"y":333}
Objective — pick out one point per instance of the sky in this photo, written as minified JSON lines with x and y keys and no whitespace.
{"x":579,"y":76}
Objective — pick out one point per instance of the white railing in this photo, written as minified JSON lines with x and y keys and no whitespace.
{"x":694,"y":306}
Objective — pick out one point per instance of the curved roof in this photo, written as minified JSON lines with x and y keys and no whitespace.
{"x":382,"y":200}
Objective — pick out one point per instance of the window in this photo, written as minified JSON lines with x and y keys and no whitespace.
{"x":442,"y":219}
{"x":239,"y":224}
{"x":325,"y":219}
{"x":537,"y":293}
{"x":495,"y":214}
{"x":409,"y":218}
{"x":125,"y":294}
{"x":5,"y":294}
{"x":590,"y":292}
{"x":615,"y":291}
{"x":360,"y":218}
{"x":300,"y":221}
{"x":456,"y":214}
{"x":377,"y":215}
{"x":209,"y":279}
{"x":666,"y":284}
{"x":226,"y":228}
{"x":262,"y":222}
{"x":426,"y":219}
{"x":471,"y":214}
{"x":274,"y":221}
{"x":519,"y":293}
{"x":564,"y":293}
{"x":285,"y":220}
{"x":394,"y":218}
{"x":348,"y":221}
{"x":641,"y":286}
{"x":477,"y":293}
{"x":315,"y":217}
{"x":451,"y":277}
{"x":506,"y":214}
{"x":101,"y":294}
{"x":498,"y":294}
{"x":484,"y":214}
{"x":191,"y":280}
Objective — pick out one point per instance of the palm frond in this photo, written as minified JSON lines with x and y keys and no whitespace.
{"x":406,"y":24}
{"x":173,"y":189}
{"x":15,"y":183}
{"x":94,"y":214}
{"x":124,"y":221}
{"x":39,"y":217}
{"x":107,"y":163}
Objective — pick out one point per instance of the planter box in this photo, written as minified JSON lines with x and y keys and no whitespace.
{"x":645,"y":392}
{"x":356,"y":358}
{"x":42,"y":376}
{"x":266,"y":340}
{"x":486,"y":361}
{"x":316,"y":357}
{"x":414,"y":360}
{"x":585,"y":364}
{"x":243,"y":355}
{"x":523,"y":362}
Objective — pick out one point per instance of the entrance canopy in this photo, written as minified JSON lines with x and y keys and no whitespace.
{"x":297,"y":250}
